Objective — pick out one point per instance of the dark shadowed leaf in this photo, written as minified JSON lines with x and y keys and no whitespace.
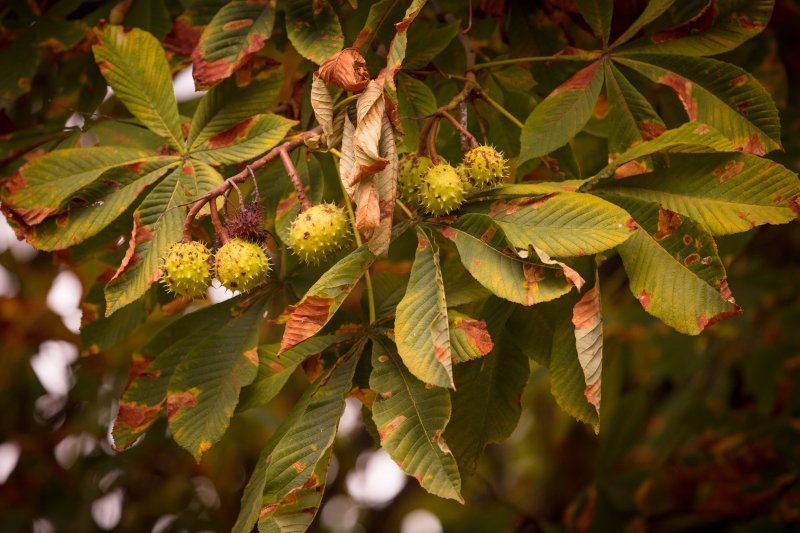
{"x":314,"y":29}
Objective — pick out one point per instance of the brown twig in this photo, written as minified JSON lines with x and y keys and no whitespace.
{"x":432,"y":140}
{"x":218,"y":227}
{"x":273,"y":154}
{"x":468,"y":140}
{"x":299,"y":189}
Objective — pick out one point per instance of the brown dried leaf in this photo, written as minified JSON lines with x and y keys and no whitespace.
{"x":346,"y":69}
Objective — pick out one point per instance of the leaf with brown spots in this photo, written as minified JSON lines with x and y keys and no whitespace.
{"x":237,"y":31}
{"x":288,"y":470}
{"x":564,"y":224}
{"x":275,"y":369}
{"x":523,"y":281}
{"x":134,"y":64}
{"x":204,"y":388}
{"x":587,"y":318}
{"x":153,"y":365}
{"x":313,"y":28}
{"x":718,"y":26}
{"x":398,"y":46}
{"x":411,"y":418}
{"x":487,"y":400}
{"x":687,"y":295}
{"x":322,"y":300}
{"x":718,"y":94}
{"x":421,"y":328}
{"x":469,"y":338}
{"x":728,"y":193}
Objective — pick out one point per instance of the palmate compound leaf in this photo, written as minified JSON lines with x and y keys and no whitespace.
{"x":313,"y":28}
{"x":411,"y":417}
{"x":322,"y":300}
{"x":562,"y":224}
{"x":205,"y":385}
{"x":674,"y":268}
{"x":134,"y":64}
{"x":487,"y":399}
{"x":562,"y":115}
{"x":237,"y":32}
{"x":290,"y":468}
{"x":726,"y":192}
{"x":153,"y":365}
{"x":482,"y":248}
{"x":157,"y":223}
{"x":717,"y":93}
{"x":421,"y":327}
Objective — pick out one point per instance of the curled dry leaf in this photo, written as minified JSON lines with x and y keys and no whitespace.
{"x":347,"y":70}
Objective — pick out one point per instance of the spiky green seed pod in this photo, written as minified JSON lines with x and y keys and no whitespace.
{"x":413,"y":168}
{"x":483,"y":166}
{"x":241,"y":265}
{"x":187,"y":269}
{"x":318,"y":231}
{"x":442,"y":190}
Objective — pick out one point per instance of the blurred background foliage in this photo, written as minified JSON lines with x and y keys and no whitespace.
{"x":697,"y":433}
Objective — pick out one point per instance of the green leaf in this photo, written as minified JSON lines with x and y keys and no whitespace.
{"x":397,"y":48}
{"x":486,"y":402}
{"x":421,"y":327}
{"x":237,"y":32}
{"x":481,"y":247}
{"x":378,"y":13}
{"x":80,"y":223}
{"x":205,"y":385}
{"x":653,"y":10}
{"x":598,"y":14}
{"x":322,"y":300}
{"x":18,"y":75}
{"x":415,"y":100}
{"x":246,"y":140}
{"x":719,"y":94}
{"x":426,"y":42}
{"x":48,"y":182}
{"x":314,"y":29}
{"x":134,"y":64}
{"x":634,"y":119}
{"x":564,"y":224}
{"x":295,"y":456}
{"x":674,"y":268}
{"x":99,"y":333}
{"x":153,"y":365}
{"x":562,"y":115}
{"x":229,"y":103}
{"x":157,"y":224}
{"x":296,"y":514}
{"x":274,"y":369}
{"x":727,"y":193}
{"x":301,"y":443}
{"x":690,"y":138}
{"x":735,"y":21}
{"x":411,"y":417}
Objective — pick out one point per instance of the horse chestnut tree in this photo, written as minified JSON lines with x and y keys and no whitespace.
{"x":418,"y":158}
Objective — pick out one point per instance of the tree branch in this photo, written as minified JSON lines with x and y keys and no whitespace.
{"x":261,"y":162}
